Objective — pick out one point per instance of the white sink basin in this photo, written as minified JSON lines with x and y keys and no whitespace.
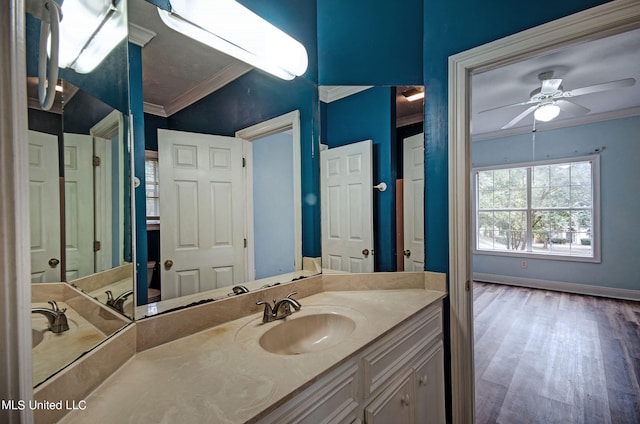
{"x":36,"y":337}
{"x":310,"y":333}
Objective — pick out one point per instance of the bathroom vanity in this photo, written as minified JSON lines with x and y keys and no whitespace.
{"x":379,"y":355}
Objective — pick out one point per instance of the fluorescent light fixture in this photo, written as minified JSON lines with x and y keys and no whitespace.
{"x":546,"y":112}
{"x":233,"y":29}
{"x":413,"y":94}
{"x":89,"y":31}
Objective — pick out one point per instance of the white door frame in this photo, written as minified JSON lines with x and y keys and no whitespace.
{"x":288,"y":121}
{"x":15,"y":272}
{"x":608,"y":19}
{"x":109,"y":126}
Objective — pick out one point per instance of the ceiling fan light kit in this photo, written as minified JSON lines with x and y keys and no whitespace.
{"x":231,"y":28}
{"x":546,"y":112}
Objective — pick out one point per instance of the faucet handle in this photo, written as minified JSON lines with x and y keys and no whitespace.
{"x":292,"y":294}
{"x":54,"y":307}
{"x":267,"y":315}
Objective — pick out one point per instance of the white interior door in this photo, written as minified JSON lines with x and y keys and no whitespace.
{"x":413,"y":172}
{"x":78,"y":205}
{"x":104,"y":199}
{"x":202,"y":213}
{"x":44,"y":207}
{"x":347,"y":207}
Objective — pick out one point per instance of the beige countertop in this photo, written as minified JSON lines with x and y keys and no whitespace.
{"x":117,"y":288}
{"x":54,"y":351}
{"x":222,"y":374}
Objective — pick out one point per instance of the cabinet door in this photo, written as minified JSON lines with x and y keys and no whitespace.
{"x":429,"y":404}
{"x":395,"y":404}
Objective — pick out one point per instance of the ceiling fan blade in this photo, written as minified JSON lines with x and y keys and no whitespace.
{"x":628,"y":82}
{"x":520,"y":117}
{"x":572,"y":108}
{"x":506,"y":106}
{"x":550,"y":86}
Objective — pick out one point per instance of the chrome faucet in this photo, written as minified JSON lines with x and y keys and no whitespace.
{"x":274,"y":313}
{"x":118,"y":302}
{"x":56,"y":317}
{"x":238,"y":290}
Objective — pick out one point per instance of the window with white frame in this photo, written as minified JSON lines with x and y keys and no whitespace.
{"x":546,"y":208}
{"x":152,"y":188}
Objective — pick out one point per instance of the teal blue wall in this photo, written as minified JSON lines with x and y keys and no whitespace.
{"x":371,"y":115}
{"x":620,"y":185}
{"x":370,"y":42}
{"x":138,"y":131}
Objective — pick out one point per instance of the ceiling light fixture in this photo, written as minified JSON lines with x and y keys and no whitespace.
{"x":89,"y":31}
{"x":413,"y":94}
{"x":546,"y":112}
{"x":233,"y":29}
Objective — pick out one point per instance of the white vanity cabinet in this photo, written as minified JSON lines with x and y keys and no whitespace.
{"x":399,"y":378}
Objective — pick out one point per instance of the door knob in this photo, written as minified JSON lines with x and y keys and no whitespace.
{"x":407,"y":253}
{"x":168,"y":264}
{"x":53,"y":262}
{"x":365,"y":252}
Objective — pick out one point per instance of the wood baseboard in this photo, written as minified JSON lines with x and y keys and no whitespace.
{"x":560,"y":286}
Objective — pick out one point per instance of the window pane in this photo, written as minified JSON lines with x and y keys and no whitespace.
{"x":540,"y":176}
{"x":559,"y":175}
{"x":561,"y":209}
{"x":581,"y":191}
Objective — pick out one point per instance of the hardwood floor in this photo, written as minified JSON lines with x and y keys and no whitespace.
{"x":550,"y":357}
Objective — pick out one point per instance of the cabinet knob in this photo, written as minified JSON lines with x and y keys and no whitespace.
{"x":365,"y":252}
{"x":404,"y":400}
{"x":53,"y":262}
{"x":423,"y":380}
{"x":407,"y":253}
{"x":168,"y":264}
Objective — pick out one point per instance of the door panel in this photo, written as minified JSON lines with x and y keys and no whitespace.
{"x":413,"y":171}
{"x":202,"y":212}
{"x":78,"y":205}
{"x":44,"y":207}
{"x":347,"y":207}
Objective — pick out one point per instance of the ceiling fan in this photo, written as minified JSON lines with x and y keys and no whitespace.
{"x":547,"y":100}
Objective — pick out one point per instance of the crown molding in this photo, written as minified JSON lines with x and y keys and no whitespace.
{"x":409,"y":120}
{"x":155,"y":109}
{"x":140,"y":36}
{"x":552,"y":125}
{"x":208,"y":86}
{"x":331,"y":93}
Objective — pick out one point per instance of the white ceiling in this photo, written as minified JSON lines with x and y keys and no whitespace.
{"x":608,"y":59}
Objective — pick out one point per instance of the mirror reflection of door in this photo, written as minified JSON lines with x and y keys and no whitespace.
{"x":78,"y":205}
{"x":413,"y":202}
{"x":202,"y":212}
{"x":108,"y":189}
{"x":44,"y":207}
{"x":346,"y":184}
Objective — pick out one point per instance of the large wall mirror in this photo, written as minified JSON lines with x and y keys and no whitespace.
{"x":372,"y":178}
{"x":231,"y":170}
{"x":80,"y":185}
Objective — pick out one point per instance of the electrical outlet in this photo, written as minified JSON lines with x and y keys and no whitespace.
{"x":523,"y":264}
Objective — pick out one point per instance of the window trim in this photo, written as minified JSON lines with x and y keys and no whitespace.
{"x":153,"y":223}
{"x":596,"y":224}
